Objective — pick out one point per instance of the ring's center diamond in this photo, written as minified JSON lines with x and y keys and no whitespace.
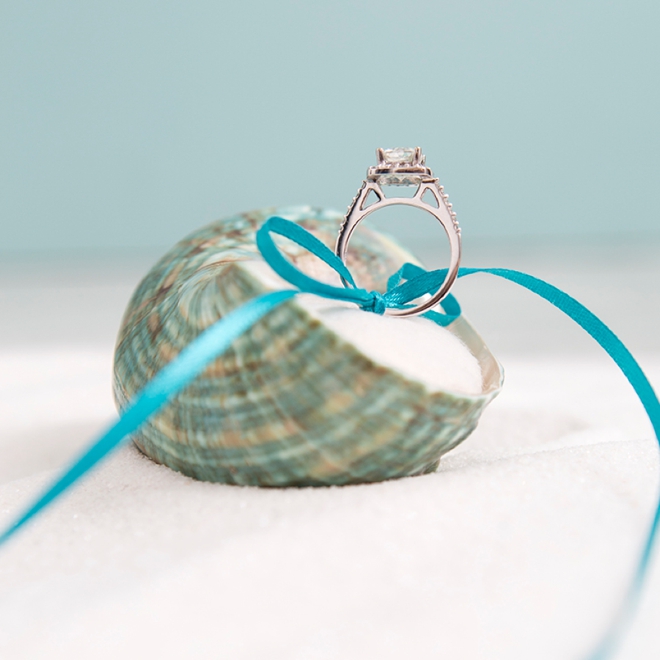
{"x":400,"y":166}
{"x":399,"y":155}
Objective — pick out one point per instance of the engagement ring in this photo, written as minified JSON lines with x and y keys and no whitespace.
{"x":405,"y":167}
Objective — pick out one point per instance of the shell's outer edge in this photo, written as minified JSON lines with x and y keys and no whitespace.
{"x":290,"y":403}
{"x":492,"y":372}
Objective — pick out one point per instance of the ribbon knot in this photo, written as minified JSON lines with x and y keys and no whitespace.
{"x":376,"y":303}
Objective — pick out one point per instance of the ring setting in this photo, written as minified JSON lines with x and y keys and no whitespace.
{"x":404,"y":166}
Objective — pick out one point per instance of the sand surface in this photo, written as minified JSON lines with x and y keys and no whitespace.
{"x":519,"y":547}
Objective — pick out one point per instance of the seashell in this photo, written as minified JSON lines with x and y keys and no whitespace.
{"x":293,"y":402}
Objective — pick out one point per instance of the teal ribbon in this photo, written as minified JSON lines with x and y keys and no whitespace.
{"x":407,"y":284}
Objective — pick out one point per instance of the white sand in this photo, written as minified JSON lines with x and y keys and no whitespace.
{"x":414,"y":347}
{"x":519,"y":547}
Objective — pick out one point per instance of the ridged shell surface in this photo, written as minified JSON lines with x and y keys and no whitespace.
{"x":291,"y":403}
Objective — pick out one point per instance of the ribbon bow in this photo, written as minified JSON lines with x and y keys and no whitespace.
{"x":416,"y":280}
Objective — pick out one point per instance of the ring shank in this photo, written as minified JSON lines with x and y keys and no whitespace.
{"x":356,"y":214}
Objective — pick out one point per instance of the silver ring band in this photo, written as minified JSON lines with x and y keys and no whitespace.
{"x":405,"y":167}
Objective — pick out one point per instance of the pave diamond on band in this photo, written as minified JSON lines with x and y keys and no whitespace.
{"x":405,"y":167}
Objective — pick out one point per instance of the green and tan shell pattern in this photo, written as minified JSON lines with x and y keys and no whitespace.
{"x":290,"y":403}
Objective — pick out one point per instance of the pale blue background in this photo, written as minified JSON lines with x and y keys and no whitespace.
{"x":130,"y":123}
